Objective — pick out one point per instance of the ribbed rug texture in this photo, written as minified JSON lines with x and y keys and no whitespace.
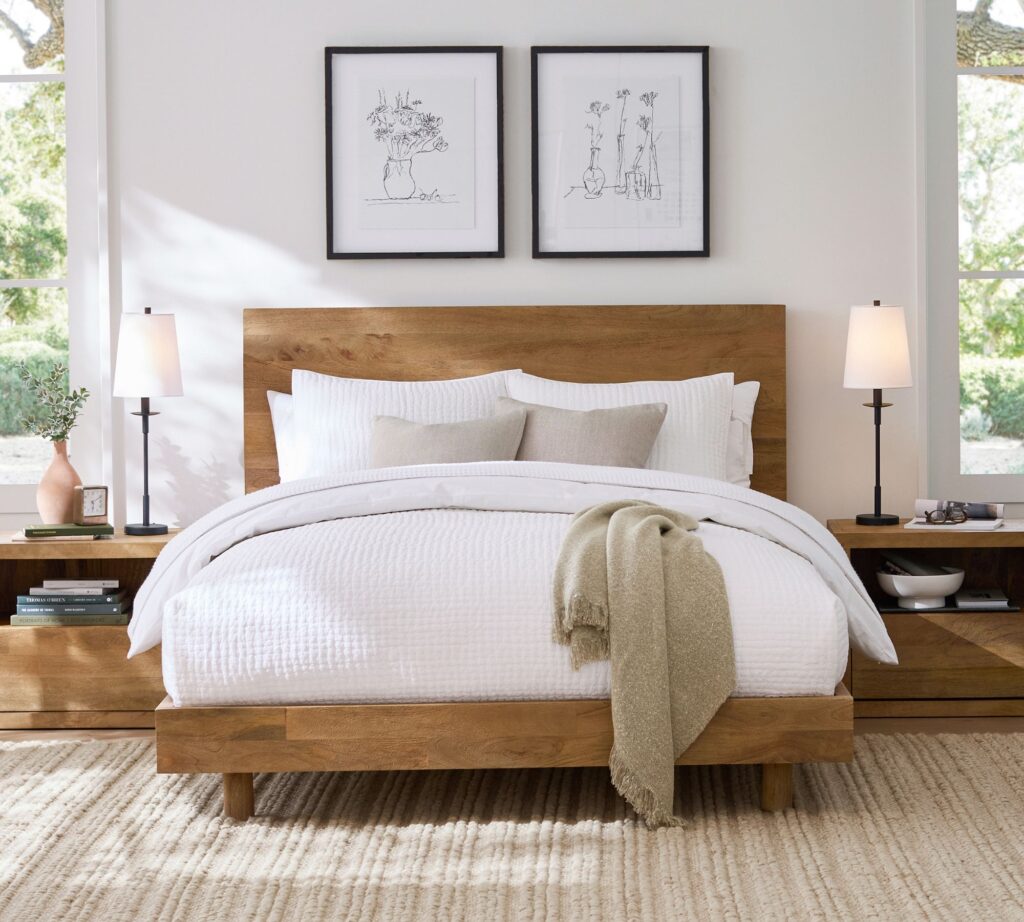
{"x":918,"y":827}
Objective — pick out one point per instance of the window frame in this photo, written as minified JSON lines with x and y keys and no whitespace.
{"x":941,"y":272}
{"x":87,"y":265}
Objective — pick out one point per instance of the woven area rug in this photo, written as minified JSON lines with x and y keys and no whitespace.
{"x":918,"y":827}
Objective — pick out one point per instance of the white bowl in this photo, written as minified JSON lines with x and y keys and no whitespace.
{"x":922,"y":592}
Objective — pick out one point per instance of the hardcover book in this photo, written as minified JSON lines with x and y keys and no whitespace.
{"x":67,"y":620}
{"x":59,"y":597}
{"x":115,"y":609}
{"x":81,"y":583}
{"x":67,"y":531}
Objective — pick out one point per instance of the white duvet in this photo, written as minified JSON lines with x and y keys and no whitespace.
{"x":434,"y":583}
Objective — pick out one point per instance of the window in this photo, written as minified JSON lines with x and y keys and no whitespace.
{"x":33,"y":223}
{"x":974,"y":133}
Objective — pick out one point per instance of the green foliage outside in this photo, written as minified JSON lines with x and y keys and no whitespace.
{"x":991,"y":136}
{"x":33,"y":239}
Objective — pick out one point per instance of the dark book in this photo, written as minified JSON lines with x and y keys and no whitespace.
{"x":116,"y":609}
{"x":67,"y":531}
{"x":67,"y":620}
{"x":71,"y":599}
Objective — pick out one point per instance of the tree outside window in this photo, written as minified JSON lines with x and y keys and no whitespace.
{"x":33,"y":221}
{"x":990,"y":128}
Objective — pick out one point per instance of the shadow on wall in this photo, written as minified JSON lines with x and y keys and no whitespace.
{"x":194,"y":487}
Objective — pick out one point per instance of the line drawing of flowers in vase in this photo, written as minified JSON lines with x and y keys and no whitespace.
{"x":593,"y":175}
{"x":642,"y":179}
{"x":620,"y":139}
{"x":406,"y":132}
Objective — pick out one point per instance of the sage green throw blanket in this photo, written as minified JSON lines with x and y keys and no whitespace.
{"x":633,"y":584}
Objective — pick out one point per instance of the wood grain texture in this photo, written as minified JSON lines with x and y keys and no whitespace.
{"x":776,"y":787}
{"x":75,"y":669}
{"x":118,"y":546}
{"x":851,"y":535}
{"x":571,"y":343}
{"x":239,"y":799}
{"x":953,"y":655}
{"x":978,"y":708}
{"x":509,"y":734}
{"x":76,"y":720}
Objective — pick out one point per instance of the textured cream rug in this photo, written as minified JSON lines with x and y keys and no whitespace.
{"x":919,"y":827}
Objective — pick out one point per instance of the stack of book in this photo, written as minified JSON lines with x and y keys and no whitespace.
{"x":72,"y":603}
{"x":68,"y":532}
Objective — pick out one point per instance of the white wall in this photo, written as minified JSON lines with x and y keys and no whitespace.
{"x":216,"y":128}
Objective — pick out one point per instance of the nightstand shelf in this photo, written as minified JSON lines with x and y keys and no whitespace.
{"x":75,"y":677}
{"x":952,"y":664}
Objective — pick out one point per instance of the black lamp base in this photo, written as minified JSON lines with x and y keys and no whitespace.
{"x":145,"y":529}
{"x":867,"y":518}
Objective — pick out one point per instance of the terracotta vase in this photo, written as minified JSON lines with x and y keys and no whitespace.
{"x":56,"y":491}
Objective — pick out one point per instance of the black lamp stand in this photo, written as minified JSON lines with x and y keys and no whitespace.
{"x":145,"y":527}
{"x":878,"y":517}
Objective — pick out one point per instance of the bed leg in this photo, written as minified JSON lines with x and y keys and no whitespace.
{"x":776,"y":786}
{"x":238,"y":795}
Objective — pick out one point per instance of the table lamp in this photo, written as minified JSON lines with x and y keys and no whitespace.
{"x":877,"y":357}
{"x":147,"y":366}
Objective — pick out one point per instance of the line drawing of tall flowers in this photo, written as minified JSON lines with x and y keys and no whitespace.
{"x":405,"y":131}
{"x":593,"y":175}
{"x":620,"y":169}
{"x":642,"y":180}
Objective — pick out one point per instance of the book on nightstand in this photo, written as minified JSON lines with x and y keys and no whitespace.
{"x":72,"y":603}
{"x":68,"y":620}
{"x":983,"y":600}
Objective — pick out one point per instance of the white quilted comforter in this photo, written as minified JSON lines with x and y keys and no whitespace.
{"x":433,"y":583}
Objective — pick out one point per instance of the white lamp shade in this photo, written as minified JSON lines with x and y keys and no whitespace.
{"x":147,"y":357}
{"x":877,"y":351}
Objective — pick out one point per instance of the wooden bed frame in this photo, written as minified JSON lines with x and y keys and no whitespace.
{"x":599,"y":344}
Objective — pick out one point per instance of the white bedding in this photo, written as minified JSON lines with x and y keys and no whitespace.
{"x":433,"y":583}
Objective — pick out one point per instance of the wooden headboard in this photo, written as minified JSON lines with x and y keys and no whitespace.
{"x":586,"y":344}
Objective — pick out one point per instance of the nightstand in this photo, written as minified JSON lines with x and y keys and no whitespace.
{"x":75,"y":677}
{"x":952,"y":664}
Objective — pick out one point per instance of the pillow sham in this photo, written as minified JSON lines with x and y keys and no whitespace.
{"x":695,"y":434}
{"x":398,"y":442}
{"x":613,"y":437}
{"x":333,"y":417}
{"x":740,"y":455}
{"x":284,"y":434}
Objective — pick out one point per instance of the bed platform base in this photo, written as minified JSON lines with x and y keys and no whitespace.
{"x":776,"y":733}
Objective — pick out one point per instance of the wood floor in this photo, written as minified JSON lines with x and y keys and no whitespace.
{"x":861,"y":726}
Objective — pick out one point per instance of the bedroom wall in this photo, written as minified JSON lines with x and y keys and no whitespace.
{"x":216,"y":127}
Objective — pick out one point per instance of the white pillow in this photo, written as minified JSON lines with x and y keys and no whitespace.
{"x":695,"y":435}
{"x":333,"y":417}
{"x":281,"y":413}
{"x":740,"y":457}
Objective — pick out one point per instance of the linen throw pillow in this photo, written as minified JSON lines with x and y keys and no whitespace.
{"x":333,"y":417}
{"x":613,"y":437}
{"x":694,"y":437}
{"x":398,"y":442}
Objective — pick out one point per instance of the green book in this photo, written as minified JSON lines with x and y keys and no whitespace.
{"x":67,"y":620}
{"x":67,"y":531}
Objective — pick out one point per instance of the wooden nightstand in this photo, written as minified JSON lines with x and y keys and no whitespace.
{"x":75,"y":677}
{"x":955,"y":664}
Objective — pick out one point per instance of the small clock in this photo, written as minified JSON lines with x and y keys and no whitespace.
{"x":90,"y":506}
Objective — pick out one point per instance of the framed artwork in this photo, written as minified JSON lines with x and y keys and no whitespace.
{"x":620,"y":151}
{"x":414,"y":152}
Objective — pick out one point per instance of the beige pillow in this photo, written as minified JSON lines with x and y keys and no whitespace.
{"x":397,"y":442}
{"x":613,"y":437}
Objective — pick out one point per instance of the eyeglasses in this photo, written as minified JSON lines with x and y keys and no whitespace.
{"x":955,"y":514}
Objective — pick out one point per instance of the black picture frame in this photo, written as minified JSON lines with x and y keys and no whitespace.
{"x":330,"y":53}
{"x":540,"y":252}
